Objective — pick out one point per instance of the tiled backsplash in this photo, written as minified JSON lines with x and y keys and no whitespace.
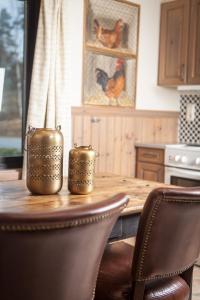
{"x":189,"y":122}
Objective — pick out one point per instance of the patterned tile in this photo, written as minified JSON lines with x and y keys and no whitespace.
{"x":189,"y":131}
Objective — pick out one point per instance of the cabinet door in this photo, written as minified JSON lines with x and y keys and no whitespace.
{"x":194,"y":44}
{"x":174,"y":30}
{"x":150,"y":172}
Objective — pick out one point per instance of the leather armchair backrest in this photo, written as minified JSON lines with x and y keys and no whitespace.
{"x":55,"y":256}
{"x":168,"y":238}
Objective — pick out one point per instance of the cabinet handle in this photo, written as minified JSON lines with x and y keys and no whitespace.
{"x":95,"y":120}
{"x":182,"y":72}
{"x":150,"y":155}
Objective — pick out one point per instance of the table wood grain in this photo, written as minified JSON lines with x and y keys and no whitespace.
{"x":15,"y":197}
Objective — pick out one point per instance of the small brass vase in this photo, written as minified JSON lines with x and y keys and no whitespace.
{"x":81,"y":170}
{"x":44,"y":160}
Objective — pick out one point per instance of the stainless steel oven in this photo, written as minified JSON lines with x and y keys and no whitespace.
{"x":182,"y":177}
{"x":182,"y":165}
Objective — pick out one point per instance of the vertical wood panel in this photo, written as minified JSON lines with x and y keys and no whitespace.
{"x":77,"y":126}
{"x":102,"y":144}
{"x":87,"y":131}
{"x":174,"y":130}
{"x":95,"y":137}
{"x":114,"y":136}
{"x":133,"y":152}
{"x":117,"y":145}
{"x":158,"y":129}
{"x":130,"y":147}
{"x":127,"y":152}
{"x":138,"y":129}
{"x":110,"y":145}
{"x":148,"y":130}
{"x":124,"y":144}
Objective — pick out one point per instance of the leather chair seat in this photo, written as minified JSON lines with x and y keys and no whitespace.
{"x":114,"y":280}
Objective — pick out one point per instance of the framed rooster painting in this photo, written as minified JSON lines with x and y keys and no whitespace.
{"x":110,"y":52}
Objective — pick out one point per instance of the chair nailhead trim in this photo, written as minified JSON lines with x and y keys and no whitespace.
{"x":67,"y":224}
{"x":148,"y":228}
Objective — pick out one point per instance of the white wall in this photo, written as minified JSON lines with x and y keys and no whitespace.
{"x":149,"y":95}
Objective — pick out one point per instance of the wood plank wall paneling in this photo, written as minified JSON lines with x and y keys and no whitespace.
{"x":113,"y":133}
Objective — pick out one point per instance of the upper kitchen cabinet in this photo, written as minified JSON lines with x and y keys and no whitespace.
{"x":179,"y":59}
{"x":194,"y":44}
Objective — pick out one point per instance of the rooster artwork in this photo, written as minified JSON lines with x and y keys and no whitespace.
{"x":110,"y":38}
{"x":112,"y":86}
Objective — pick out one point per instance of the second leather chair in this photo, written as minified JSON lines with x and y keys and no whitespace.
{"x":167,"y":246}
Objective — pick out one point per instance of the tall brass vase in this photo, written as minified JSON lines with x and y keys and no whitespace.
{"x":44,"y":160}
{"x":81,"y":170}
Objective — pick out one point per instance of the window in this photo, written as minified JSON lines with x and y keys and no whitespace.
{"x":18,"y":30}
{"x":12,"y":16}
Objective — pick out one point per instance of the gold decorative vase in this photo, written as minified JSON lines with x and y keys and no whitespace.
{"x":81,"y":170}
{"x":44,"y":160}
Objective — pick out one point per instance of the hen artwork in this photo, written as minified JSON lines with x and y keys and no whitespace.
{"x":110,"y":52}
{"x":112,"y":86}
{"x":110,"y":38}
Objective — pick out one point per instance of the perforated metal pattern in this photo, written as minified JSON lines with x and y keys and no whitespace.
{"x":81,"y":167}
{"x":44,"y":162}
{"x":43,"y":149}
{"x":81,"y":171}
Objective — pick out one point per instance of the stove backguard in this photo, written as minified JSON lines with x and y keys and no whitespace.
{"x":189,"y":130}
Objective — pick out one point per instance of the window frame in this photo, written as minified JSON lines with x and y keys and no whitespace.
{"x":31,"y":16}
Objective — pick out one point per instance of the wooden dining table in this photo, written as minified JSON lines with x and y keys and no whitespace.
{"x":16,"y":198}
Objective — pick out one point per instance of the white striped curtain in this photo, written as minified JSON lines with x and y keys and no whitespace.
{"x":49,"y":103}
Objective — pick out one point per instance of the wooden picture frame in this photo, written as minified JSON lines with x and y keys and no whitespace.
{"x":111,"y":29}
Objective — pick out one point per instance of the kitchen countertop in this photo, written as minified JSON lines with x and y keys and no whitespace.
{"x":151,"y":145}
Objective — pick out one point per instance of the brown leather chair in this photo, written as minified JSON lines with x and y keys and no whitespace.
{"x":167,"y":245}
{"x":55,"y":256}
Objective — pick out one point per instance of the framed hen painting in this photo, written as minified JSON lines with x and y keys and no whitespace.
{"x":110,"y":52}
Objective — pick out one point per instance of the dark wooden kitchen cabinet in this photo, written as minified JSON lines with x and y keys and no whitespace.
{"x":179,"y":58}
{"x":150,"y":164}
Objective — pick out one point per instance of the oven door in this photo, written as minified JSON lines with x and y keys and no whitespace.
{"x":182,"y":177}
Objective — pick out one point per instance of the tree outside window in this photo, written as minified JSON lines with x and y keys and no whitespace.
{"x":11,"y":76}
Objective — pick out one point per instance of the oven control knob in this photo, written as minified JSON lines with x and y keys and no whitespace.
{"x":183,"y":159}
{"x":177,"y":158}
{"x":197,"y":161}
